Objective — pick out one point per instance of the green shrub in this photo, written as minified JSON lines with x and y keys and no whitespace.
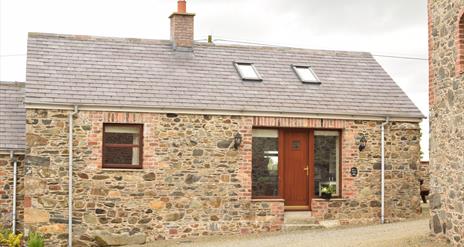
{"x":328,"y":189}
{"x":35,"y":240}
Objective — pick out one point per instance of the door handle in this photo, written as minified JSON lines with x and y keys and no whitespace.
{"x":307,"y":170}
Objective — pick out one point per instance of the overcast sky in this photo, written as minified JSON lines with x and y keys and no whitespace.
{"x":390,"y":27}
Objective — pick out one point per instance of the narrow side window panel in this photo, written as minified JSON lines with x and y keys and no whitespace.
{"x":265,"y":163}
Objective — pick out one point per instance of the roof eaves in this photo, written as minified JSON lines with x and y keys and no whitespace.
{"x":242,"y":112}
{"x":13,"y":84}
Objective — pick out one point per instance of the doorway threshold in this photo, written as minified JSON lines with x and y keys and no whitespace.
{"x":297,"y":208}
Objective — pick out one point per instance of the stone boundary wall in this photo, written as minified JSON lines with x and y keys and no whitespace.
{"x":446,"y":121}
{"x":6,"y":192}
{"x":194,"y":183}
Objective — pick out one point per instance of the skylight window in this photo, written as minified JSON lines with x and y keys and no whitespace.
{"x":306,"y":74}
{"x":248,"y":72}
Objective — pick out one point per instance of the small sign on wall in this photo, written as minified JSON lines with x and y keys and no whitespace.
{"x":354,"y":171}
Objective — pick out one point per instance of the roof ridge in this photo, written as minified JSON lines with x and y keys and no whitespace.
{"x":271,"y":47}
{"x":198,"y":43}
{"x":13,"y":83}
{"x":80,"y":37}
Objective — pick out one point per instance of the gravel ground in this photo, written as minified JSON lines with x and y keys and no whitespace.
{"x":410,"y":233}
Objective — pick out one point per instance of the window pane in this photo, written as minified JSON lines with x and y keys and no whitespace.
{"x":121,"y":138}
{"x":121,"y":135}
{"x":326,"y":160}
{"x":247,"y":71}
{"x":265,"y":167}
{"x":306,"y":74}
{"x":121,"y":129}
{"x":121,"y":155}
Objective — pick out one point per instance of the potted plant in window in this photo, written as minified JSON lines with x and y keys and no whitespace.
{"x":327,"y":191}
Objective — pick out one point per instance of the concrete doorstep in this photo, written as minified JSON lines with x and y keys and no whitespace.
{"x":298,"y":221}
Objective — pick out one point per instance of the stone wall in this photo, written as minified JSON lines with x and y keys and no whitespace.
{"x":424,"y":175}
{"x":193,"y":182}
{"x":6,"y":192}
{"x":360,"y":202}
{"x":446,"y":115}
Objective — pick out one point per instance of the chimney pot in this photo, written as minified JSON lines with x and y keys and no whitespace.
{"x":181,"y":6}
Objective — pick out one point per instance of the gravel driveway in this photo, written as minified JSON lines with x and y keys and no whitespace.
{"x":410,"y":233}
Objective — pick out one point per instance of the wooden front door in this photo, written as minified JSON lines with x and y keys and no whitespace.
{"x":296,"y":173}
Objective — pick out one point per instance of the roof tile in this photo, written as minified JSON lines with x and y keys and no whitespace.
{"x":88,"y":70}
{"x":12,"y":116}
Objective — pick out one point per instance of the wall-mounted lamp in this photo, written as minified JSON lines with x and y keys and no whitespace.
{"x":362,"y":143}
{"x":237,"y":140}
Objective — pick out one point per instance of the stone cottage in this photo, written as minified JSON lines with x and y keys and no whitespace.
{"x":177,"y":138}
{"x":12,"y":142}
{"x":446,"y":41}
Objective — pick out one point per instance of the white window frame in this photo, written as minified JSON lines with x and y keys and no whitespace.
{"x":295,"y":67}
{"x":237,"y":67}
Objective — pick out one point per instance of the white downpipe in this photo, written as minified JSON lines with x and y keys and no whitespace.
{"x":382,"y":187}
{"x":70,"y":172}
{"x":15,"y":178}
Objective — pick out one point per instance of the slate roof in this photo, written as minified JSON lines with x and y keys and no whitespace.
{"x":88,"y":70}
{"x":12,"y":116}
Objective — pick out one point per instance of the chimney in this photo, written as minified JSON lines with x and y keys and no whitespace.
{"x":182,"y":27}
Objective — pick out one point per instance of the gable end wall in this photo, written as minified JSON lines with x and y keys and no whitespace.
{"x":446,"y":122}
